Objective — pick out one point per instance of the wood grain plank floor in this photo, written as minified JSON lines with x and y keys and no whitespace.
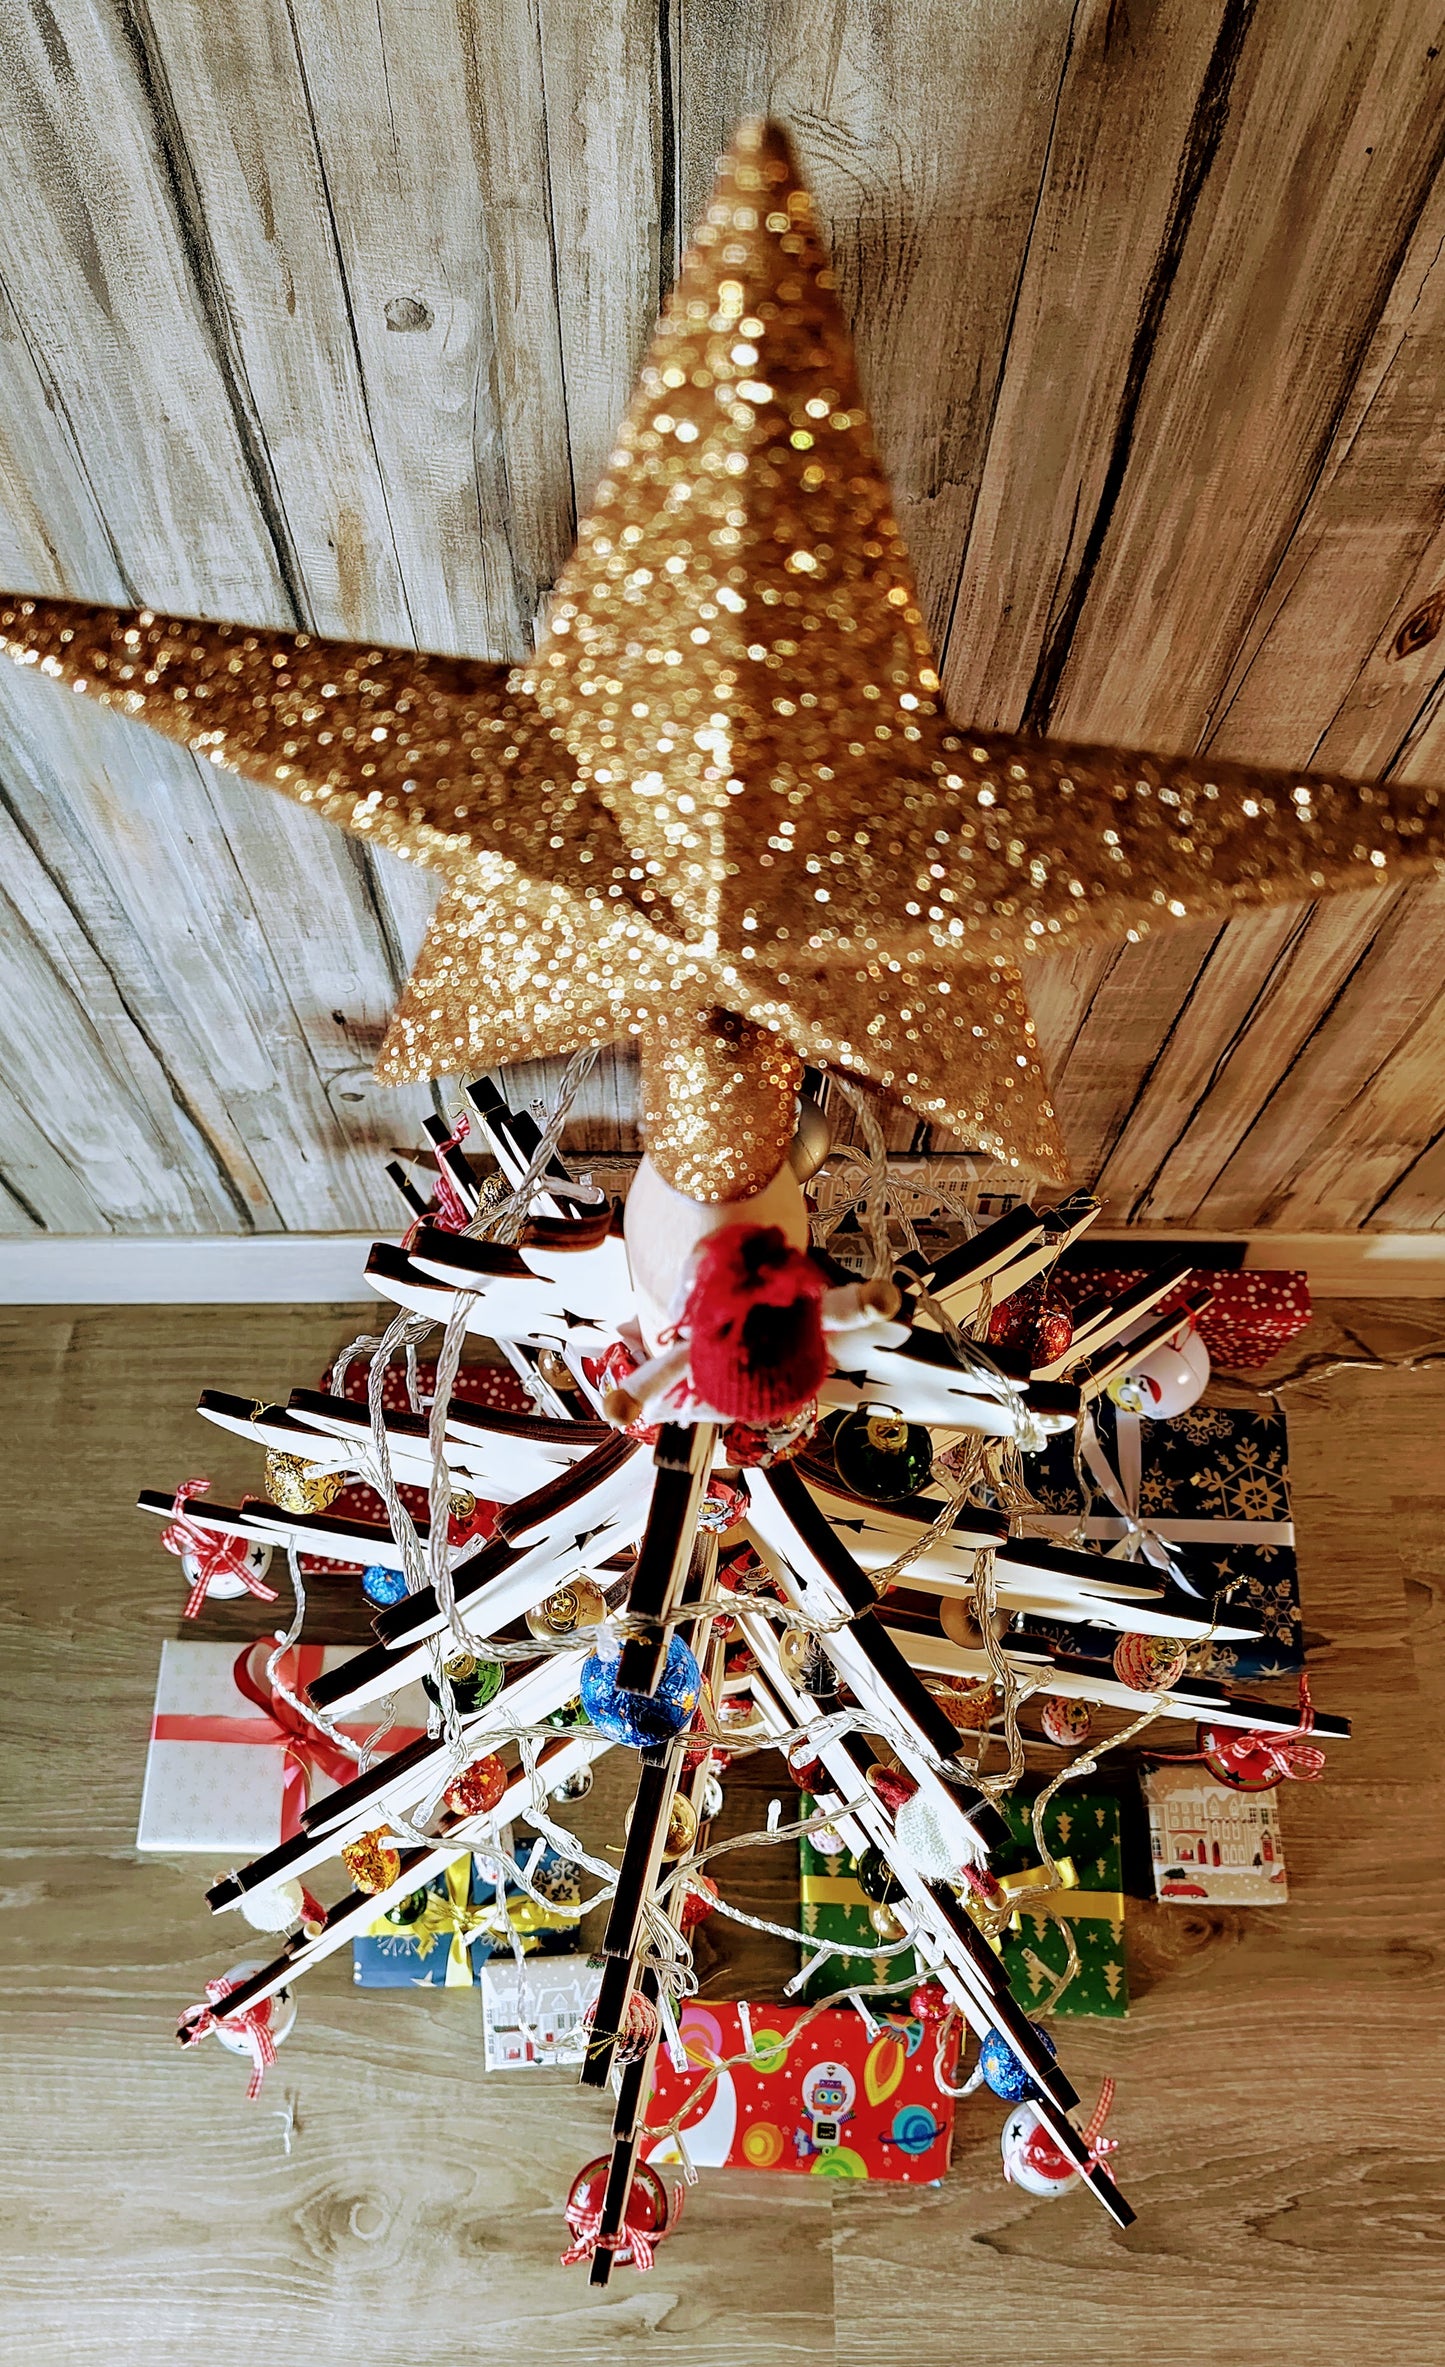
{"x":1281,"y":2078}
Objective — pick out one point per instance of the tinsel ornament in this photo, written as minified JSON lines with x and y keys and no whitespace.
{"x":639,"y":1719}
{"x":371,"y":1862}
{"x":969,"y":1706}
{"x":799,"y":839}
{"x":298,"y":1487}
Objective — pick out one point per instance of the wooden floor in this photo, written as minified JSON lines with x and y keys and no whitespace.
{"x":386,"y":2205}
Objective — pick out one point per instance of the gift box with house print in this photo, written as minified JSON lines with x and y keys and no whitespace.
{"x":1208,"y":1493}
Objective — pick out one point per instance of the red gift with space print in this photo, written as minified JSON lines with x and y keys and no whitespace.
{"x":823,"y":2095}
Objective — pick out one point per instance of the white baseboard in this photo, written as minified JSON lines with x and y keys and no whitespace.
{"x":290,"y":1269}
{"x":254,"y":1269}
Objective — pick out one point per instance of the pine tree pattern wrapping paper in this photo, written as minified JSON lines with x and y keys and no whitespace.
{"x":834,"y":1908}
{"x":1213,"y":1465}
{"x":1085,"y":1826}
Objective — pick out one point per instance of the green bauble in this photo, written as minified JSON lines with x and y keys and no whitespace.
{"x":474,"y":1682}
{"x":408,"y":1910}
{"x":882,"y":1459}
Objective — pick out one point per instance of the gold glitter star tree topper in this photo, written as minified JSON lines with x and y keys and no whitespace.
{"x":723,"y":811}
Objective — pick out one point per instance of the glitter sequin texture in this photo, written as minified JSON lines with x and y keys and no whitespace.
{"x":726,"y":781}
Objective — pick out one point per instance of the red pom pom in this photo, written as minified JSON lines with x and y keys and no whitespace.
{"x":755,"y":1326}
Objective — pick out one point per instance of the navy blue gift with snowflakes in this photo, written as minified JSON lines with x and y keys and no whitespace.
{"x":1213,"y":1465}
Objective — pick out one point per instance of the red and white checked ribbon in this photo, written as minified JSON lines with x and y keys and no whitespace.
{"x":253,"y":2024}
{"x":213,"y":1555}
{"x":629,"y":2244}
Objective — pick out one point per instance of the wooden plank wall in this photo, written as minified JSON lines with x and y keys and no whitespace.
{"x":315,"y":312}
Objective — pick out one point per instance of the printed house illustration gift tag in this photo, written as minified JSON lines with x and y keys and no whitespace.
{"x":1212,"y":1843}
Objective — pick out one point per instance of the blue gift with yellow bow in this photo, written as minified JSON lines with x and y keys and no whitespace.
{"x":438,"y":1938}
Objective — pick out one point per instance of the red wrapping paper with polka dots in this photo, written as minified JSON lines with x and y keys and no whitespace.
{"x":477,"y":1384}
{"x":1254,"y":1314}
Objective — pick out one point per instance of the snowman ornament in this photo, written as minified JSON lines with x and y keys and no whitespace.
{"x":1033,"y":2161}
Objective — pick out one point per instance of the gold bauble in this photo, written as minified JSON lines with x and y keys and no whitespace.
{"x":795,"y":1647}
{"x":299,"y":1487}
{"x":885,"y":1922}
{"x":579,"y":1603}
{"x":554,"y":1369}
{"x":681,"y":1827}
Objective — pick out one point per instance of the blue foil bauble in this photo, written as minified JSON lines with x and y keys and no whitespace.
{"x":641,"y":1718}
{"x":380,"y":1585}
{"x":1003,"y":2071}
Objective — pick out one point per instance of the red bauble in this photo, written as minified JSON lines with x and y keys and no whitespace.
{"x":613,"y":1371}
{"x":647,"y":2211}
{"x":698,"y":1901}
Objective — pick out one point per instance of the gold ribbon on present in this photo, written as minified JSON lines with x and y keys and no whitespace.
{"x":448,"y":1913}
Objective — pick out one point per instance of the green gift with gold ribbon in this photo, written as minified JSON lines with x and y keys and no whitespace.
{"x":1084,"y":1827}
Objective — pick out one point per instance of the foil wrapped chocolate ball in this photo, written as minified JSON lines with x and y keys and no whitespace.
{"x":297,"y":1486}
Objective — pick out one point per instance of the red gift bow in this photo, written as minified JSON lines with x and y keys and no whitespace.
{"x":254,"y":2024}
{"x":1284,"y":1755}
{"x":215,"y":1556}
{"x":308,"y":1751}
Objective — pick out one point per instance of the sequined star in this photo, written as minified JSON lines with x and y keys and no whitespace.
{"x":726,"y":783}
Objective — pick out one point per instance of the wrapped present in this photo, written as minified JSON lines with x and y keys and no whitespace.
{"x":836,"y":1907}
{"x":231,"y":1765}
{"x":1211,"y":1842}
{"x":534,"y":2015}
{"x":442,"y":1937}
{"x":1083,"y":1830}
{"x":1253,"y":1314}
{"x":429,"y":1947}
{"x":836,"y":2101}
{"x":476,"y":1384}
{"x":1204,"y":1499}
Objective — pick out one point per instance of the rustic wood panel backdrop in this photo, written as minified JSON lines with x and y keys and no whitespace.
{"x":319,"y":312}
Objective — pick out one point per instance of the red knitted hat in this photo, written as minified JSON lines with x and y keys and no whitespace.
{"x":755,"y":1326}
